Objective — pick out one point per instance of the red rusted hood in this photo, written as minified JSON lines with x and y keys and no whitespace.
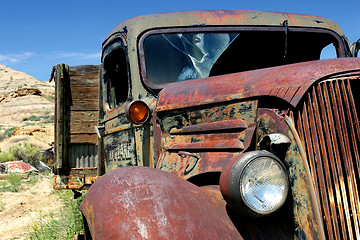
{"x":288,"y":82}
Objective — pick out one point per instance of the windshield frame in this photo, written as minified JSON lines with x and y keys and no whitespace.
{"x":340,"y":49}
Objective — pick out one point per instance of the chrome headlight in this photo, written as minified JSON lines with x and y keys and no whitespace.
{"x":256,"y":184}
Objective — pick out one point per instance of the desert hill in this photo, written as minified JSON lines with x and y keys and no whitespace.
{"x":26,"y":109}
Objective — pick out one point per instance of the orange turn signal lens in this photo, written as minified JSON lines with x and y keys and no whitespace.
{"x":138,"y":112}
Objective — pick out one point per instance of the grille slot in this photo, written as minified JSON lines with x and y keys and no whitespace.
{"x":328,"y":125}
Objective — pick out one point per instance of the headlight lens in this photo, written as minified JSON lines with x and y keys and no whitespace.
{"x":264,"y":185}
{"x":256,"y":184}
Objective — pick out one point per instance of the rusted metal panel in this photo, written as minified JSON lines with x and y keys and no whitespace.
{"x":253,"y":83}
{"x":120,"y":149}
{"x":206,"y":127}
{"x":307,"y":220}
{"x":203,"y":139}
{"x":73,"y":181}
{"x":186,"y":164}
{"x":136,"y":26}
{"x":145,"y":203}
{"x":203,"y":116}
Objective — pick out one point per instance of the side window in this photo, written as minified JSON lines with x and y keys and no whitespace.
{"x":328,"y":52}
{"x":115,"y":75}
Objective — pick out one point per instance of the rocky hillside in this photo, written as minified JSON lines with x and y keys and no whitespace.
{"x":26,"y":109}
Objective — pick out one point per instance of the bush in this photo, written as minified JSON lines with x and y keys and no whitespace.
{"x":32,"y":118}
{"x":66,"y":225}
{"x":7,"y":133}
{"x":46,"y":118}
{"x":6,"y":157}
{"x":12,"y":183}
{"x":27,"y":152}
{"x":14,"y":180}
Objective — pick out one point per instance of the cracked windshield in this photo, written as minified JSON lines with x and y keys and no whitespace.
{"x":175,"y":57}
{"x":184,"y":56}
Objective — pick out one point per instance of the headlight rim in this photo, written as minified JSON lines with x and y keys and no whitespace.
{"x":230,"y":183}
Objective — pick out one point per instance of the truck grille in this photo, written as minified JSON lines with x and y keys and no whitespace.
{"x":328,"y":125}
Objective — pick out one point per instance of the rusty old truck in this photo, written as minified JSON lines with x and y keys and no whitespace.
{"x":214,"y":125}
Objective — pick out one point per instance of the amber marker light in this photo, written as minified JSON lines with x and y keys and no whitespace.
{"x":137,"y":112}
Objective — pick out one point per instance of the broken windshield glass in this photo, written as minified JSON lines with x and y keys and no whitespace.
{"x":184,"y":56}
{"x":201,"y":49}
{"x":174,"y":57}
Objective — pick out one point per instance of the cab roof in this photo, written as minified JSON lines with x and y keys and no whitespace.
{"x":137,"y":25}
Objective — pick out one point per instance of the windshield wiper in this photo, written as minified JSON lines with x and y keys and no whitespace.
{"x":285,"y":24}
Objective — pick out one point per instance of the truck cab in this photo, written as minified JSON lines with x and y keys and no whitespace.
{"x":221,"y":125}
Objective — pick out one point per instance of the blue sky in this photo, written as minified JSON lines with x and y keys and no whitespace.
{"x":37,"y":34}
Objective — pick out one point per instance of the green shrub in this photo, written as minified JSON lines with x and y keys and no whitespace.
{"x":33,"y":179}
{"x":7,"y":133}
{"x":26,"y":151}
{"x":14,"y":182}
{"x":48,"y":118}
{"x":4,"y":186}
{"x":6,"y":157}
{"x":63,"y":226}
{"x":32,"y":118}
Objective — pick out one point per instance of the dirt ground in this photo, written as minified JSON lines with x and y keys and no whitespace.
{"x":23,"y":208}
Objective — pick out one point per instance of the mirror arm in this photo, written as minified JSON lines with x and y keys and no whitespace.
{"x":354,"y":48}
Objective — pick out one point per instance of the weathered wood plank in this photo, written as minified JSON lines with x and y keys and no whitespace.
{"x":82,"y":127}
{"x":84,"y":81}
{"x":84,"y":75}
{"x":84,"y":138}
{"x":84,"y":104}
{"x":83,"y":116}
{"x":84,"y":93}
{"x":60,"y":128}
{"x":84,"y":69}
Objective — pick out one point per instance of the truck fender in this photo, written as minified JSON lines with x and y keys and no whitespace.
{"x":147,"y":203}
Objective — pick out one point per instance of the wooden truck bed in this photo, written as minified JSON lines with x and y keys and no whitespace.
{"x":76,"y":115}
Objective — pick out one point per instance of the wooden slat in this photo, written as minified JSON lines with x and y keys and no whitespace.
{"x":83,"y":116}
{"x":79,"y":81}
{"x":84,"y":93}
{"x":84,"y":138}
{"x":83,"y":127}
{"x":84,"y":105}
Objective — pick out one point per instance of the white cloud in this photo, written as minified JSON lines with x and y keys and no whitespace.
{"x":80,"y":55}
{"x":14,"y":58}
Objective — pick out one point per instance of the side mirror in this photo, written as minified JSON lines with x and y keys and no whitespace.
{"x":354,"y":48}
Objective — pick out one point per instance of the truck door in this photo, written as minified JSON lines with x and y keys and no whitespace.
{"x":118,"y":134}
